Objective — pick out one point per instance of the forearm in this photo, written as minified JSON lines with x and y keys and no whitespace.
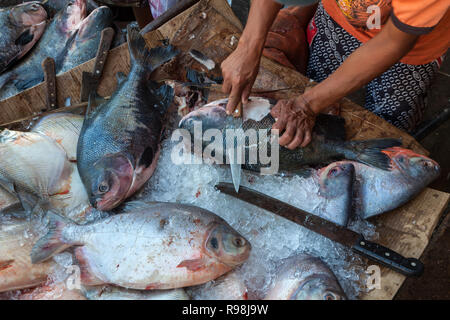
{"x":362,"y":66}
{"x":261,"y":16}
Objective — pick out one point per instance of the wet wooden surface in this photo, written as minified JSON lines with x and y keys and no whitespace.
{"x":212,"y":29}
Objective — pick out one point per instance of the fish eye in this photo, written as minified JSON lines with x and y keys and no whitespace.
{"x":214,"y":243}
{"x":329,"y":296}
{"x":239,"y":242}
{"x":103,"y":187}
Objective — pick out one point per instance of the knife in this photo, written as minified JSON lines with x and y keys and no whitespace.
{"x":342,"y":235}
{"x":233,"y":155}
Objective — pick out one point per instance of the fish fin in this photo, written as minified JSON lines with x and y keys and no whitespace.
{"x":192,"y":265}
{"x":140,"y":55}
{"x":331,"y":127}
{"x":370,"y":152}
{"x":5,"y":78}
{"x":52,"y":243}
{"x":24,"y":38}
{"x":165,"y":94}
{"x":120,"y":77}
{"x":86,"y":275}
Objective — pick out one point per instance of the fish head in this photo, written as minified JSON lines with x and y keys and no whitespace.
{"x":28,"y":14}
{"x":69,"y":19}
{"x":304,"y":277}
{"x":318,"y":287}
{"x":93,"y":25}
{"x":211,"y":116}
{"x":336,"y":179}
{"x":226,"y":245}
{"x":108,"y":181}
{"x":413,"y":165}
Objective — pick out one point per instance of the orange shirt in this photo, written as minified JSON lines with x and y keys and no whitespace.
{"x":430,"y":19}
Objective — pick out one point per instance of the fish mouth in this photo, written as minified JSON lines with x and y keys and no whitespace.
{"x":37,"y":31}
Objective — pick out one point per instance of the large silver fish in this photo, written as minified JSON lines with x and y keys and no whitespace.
{"x":22,"y":26}
{"x":64,"y":129}
{"x":119,"y":144}
{"x":148,"y":246}
{"x":16,"y":269}
{"x":304,"y":277}
{"x":37,"y":169}
{"x":377,"y":191}
{"x":328,"y":142}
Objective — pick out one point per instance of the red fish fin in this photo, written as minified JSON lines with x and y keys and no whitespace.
{"x":192,"y":265}
{"x":88,"y":278}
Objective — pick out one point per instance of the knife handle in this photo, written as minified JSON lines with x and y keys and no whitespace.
{"x":388,"y":258}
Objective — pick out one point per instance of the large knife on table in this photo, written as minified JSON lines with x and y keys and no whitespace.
{"x":342,"y":235}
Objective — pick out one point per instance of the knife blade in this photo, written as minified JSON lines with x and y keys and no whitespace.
{"x":235,"y":152}
{"x":334,"y":232}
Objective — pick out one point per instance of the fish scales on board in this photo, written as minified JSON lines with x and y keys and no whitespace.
{"x":148,"y":246}
{"x":119,"y":145}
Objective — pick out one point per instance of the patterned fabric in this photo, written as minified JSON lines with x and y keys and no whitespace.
{"x":398,"y":95}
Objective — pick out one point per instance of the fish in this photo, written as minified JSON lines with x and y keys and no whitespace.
{"x":87,"y":40}
{"x":125,"y":130}
{"x":51,"y":291}
{"x":117,"y":293}
{"x":228,"y":287}
{"x":378,"y":191}
{"x":22,"y":26}
{"x":63,"y":128}
{"x":8,"y":200}
{"x":54,"y":43}
{"x":37,"y":170}
{"x":304,"y":277}
{"x":16,"y":269}
{"x":148,"y":246}
{"x":328,"y":142}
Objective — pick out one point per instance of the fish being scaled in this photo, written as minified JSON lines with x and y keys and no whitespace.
{"x":64,"y":128}
{"x":327,"y":144}
{"x":22,"y":26}
{"x":119,"y":143}
{"x":148,"y":246}
{"x":54,"y":43}
{"x":37,"y":169}
{"x":118,"y":293}
{"x":378,"y":191}
{"x":304,"y":277}
{"x":16,"y":269}
{"x":87,"y":40}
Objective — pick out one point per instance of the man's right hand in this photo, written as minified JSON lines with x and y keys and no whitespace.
{"x":239,"y":72}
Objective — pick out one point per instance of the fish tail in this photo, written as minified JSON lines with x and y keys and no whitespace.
{"x":52,"y":243}
{"x":142,"y":56}
{"x":370,"y":152}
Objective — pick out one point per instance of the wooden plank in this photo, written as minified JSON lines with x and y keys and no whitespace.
{"x":407,"y":230}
